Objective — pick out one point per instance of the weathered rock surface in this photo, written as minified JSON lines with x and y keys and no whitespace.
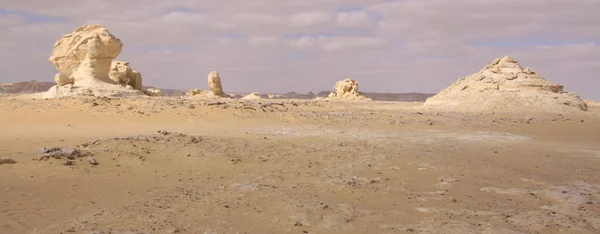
{"x":61,"y":153}
{"x":121,"y":73}
{"x":214,"y":83}
{"x":347,"y":89}
{"x":98,"y":90}
{"x":91,"y":42}
{"x":505,"y":85}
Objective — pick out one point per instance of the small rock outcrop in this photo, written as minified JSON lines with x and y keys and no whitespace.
{"x":347,"y":89}
{"x":154,"y":92}
{"x":122,"y":74}
{"x":214,"y":83}
{"x":83,"y":59}
{"x":504,"y":85}
{"x":216,"y":88}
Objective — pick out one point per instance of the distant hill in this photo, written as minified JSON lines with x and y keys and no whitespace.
{"x":25,"y":87}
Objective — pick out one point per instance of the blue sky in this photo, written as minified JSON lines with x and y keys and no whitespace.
{"x":275,"y":46}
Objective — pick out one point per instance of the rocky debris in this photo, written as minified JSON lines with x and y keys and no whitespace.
{"x":214,"y":83}
{"x":347,"y":89}
{"x":506,"y":86}
{"x":203,"y":94}
{"x":7,"y":161}
{"x":193,"y":92}
{"x":83,"y":59}
{"x":153,"y":92}
{"x":122,"y":74}
{"x":355,"y":181}
{"x":61,"y":152}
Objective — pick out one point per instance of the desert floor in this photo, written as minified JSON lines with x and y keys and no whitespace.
{"x":169,"y":165}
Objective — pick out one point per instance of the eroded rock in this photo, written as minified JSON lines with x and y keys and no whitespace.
{"x":214,"y":83}
{"x":83,"y":59}
{"x":121,"y":73}
{"x":347,"y":89}
{"x":506,"y":86}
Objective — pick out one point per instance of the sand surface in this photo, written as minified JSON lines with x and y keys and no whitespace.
{"x":169,"y":165}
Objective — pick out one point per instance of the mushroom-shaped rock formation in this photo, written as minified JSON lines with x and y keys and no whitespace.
{"x":122,"y":74}
{"x":83,"y":59}
{"x":89,"y":42}
{"x":214,"y":83}
{"x":346,"y":89}
{"x":504,"y":85}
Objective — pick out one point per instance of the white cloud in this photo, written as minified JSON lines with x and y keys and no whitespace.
{"x":306,"y":19}
{"x":273,"y":45}
{"x":352,"y":19}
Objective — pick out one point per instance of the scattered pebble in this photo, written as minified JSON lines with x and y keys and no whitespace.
{"x":92,"y":161}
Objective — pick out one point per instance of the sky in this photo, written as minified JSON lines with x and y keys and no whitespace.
{"x":307,"y":45}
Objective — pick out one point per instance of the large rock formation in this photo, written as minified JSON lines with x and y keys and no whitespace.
{"x":92,"y":42}
{"x":347,"y":89}
{"x":505,"y":86}
{"x":83,"y":59}
{"x":122,"y":74}
{"x":214,"y":83}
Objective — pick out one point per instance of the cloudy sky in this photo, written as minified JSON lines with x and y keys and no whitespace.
{"x":307,"y":45}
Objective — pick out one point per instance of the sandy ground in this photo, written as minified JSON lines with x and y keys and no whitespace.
{"x":168,"y":165}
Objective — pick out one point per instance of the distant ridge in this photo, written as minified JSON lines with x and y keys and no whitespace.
{"x":36,"y":87}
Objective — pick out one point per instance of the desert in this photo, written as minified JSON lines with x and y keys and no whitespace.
{"x":500,"y":150}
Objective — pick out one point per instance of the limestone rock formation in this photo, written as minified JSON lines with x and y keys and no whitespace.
{"x":347,"y":89}
{"x":122,"y":74}
{"x":154,"y":92}
{"x":91,"y":42}
{"x":505,"y":85}
{"x":214,"y":83}
{"x":83,"y":59}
